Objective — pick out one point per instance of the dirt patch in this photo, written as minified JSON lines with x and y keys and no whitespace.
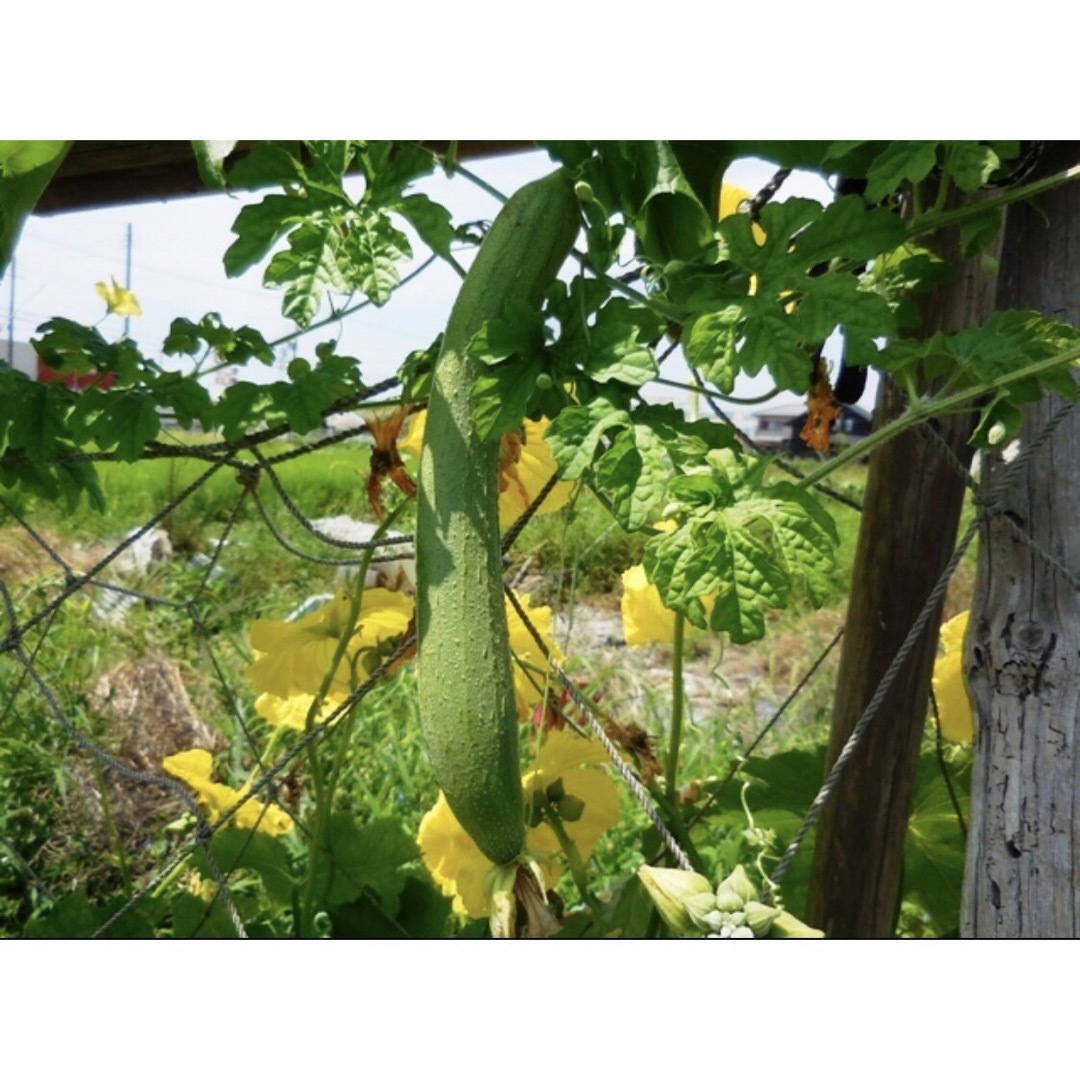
{"x":740,"y":684}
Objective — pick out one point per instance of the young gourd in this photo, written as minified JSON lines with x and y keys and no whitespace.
{"x":466,"y":687}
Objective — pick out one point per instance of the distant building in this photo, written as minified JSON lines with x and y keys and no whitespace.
{"x":777,"y":429}
{"x":25,"y":359}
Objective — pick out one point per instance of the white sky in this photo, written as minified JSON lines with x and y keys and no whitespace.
{"x":176,"y":270}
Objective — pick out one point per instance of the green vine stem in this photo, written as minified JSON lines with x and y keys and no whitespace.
{"x":324,"y":790}
{"x":577,"y":866}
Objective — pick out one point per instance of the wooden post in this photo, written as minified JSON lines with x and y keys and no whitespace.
{"x":1022,"y":877}
{"x":911,"y":511}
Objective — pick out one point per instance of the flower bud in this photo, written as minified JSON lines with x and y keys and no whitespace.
{"x":787,"y":926}
{"x":735,"y":891}
{"x":672,"y":890}
{"x":760,"y":917}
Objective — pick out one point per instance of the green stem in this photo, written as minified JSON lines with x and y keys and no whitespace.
{"x":574,"y":861}
{"x":110,"y":827}
{"x":706,"y":392}
{"x":480,"y":182}
{"x":324,"y":790}
{"x":678,"y":698}
{"x":932,"y":221}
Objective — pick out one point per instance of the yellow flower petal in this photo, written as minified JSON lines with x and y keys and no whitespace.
{"x":645,"y":619}
{"x":194,"y":767}
{"x":950,"y":689}
{"x":523,"y":479}
{"x":561,"y":757}
{"x":530,"y":666}
{"x":295,"y":656}
{"x":458,"y":866}
{"x":292,"y":711}
{"x":118,"y":300}
{"x":731,"y":198}
{"x":413,"y":439}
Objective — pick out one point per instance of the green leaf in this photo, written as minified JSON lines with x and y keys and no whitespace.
{"x":258,"y":228}
{"x":972,"y":163}
{"x":188,"y":399}
{"x":773,"y":340}
{"x":576,"y":432}
{"x":430,"y":219}
{"x":210,"y":158}
{"x":74,"y":916}
{"x":268,"y":164}
{"x":370,"y":253}
{"x":308,"y":269}
{"x":978,"y":233}
{"x":39,"y":423}
{"x":836,"y":300}
{"x":358,"y":857}
{"x":618,"y":348}
{"x":241,"y":408}
{"x":26,"y":167}
{"x":934,"y":849}
{"x":710,"y":344}
{"x":195,"y":918}
{"x":911,"y":160}
{"x":635,"y":472}
{"x":501,"y":396}
{"x":127,"y":423}
{"x":423,"y":912}
{"x":243,"y":849}
{"x":741,"y":543}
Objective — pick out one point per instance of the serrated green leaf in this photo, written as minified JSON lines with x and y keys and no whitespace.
{"x":834,"y":300}
{"x":847,"y":229}
{"x":305,"y":397}
{"x":241,"y":408}
{"x":710,"y":344}
{"x":617,"y":348}
{"x":268,"y":164}
{"x":501,"y":396}
{"x":910,"y":160}
{"x":188,"y":399}
{"x":773,"y":340}
{"x":38,"y":426}
{"x":307,"y":270}
{"x":370,"y":254}
{"x":359,"y":857}
{"x":575,"y":433}
{"x":423,"y":912}
{"x":259,"y":226}
{"x":635,"y":472}
{"x":74,"y":916}
{"x":127,"y":423}
{"x":242,"y":849}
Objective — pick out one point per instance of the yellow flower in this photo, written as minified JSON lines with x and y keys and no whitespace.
{"x":645,"y":619}
{"x":458,"y":866}
{"x":530,"y":666}
{"x":118,"y":300}
{"x":591,"y":803}
{"x":731,"y":198}
{"x":525,"y":466}
{"x":295,"y":656}
{"x":193,"y":768}
{"x":588,"y":796}
{"x":950,"y":690}
{"x":292,"y":711}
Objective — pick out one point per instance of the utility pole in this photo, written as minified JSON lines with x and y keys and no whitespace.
{"x":127,"y":279}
